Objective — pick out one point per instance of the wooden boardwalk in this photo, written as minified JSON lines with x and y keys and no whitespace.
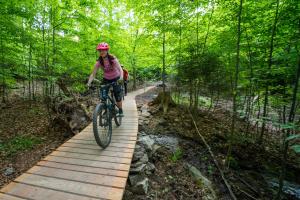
{"x":79,"y":169}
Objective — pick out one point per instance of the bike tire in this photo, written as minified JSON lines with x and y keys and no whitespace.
{"x":102,"y":137}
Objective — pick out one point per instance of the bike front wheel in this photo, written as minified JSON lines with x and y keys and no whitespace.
{"x":102,"y":125}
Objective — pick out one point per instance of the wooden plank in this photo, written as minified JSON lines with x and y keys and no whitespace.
{"x":96,"y":147}
{"x":133,"y":128}
{"x":91,"y":157}
{"x":89,"y":163}
{"x":112,"y":140}
{"x":118,"y":137}
{"x":96,"y":152}
{"x":126,"y":134}
{"x":90,"y":132}
{"x":38,"y":193}
{"x":116,"y":132}
{"x":74,"y":187}
{"x":78,"y":168}
{"x":104,"y":180}
{"x":123,"y":141}
{"x":125,"y":138}
{"x":9,"y":197}
{"x":128,"y":127}
{"x":112,"y":144}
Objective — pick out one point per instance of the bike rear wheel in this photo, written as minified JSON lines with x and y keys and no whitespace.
{"x":102,"y":125}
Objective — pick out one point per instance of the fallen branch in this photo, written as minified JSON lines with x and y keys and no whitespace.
{"x":214,"y":159}
{"x":247,"y":184}
{"x":68,"y":93}
{"x":244,"y":192}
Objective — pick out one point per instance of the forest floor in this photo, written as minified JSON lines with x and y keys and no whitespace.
{"x":25,"y":138}
{"x":253,"y":172}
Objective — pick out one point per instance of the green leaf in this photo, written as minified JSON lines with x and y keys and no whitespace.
{"x":288,"y":126}
{"x":296,"y":148}
{"x":292,"y":137}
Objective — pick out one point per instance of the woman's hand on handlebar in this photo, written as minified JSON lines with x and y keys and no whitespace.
{"x":90,"y":83}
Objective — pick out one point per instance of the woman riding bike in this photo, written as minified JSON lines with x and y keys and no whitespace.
{"x":112,"y":72}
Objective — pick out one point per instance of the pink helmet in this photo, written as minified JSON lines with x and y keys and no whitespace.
{"x":102,"y":46}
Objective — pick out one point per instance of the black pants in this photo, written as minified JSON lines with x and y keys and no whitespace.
{"x":116,"y":88}
{"x":125,"y":87}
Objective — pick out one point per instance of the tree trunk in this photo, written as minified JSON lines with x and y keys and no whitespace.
{"x":208,"y":27}
{"x":29,"y":74}
{"x":133,"y":59}
{"x":45,"y":55}
{"x":235,"y":83}
{"x":164,"y":99}
{"x":2,"y":67}
{"x":250,"y":95}
{"x":197,"y":31}
{"x":53,"y":49}
{"x":164,"y":62}
{"x":191,"y":93}
{"x":266,"y":101}
{"x":180,"y":33}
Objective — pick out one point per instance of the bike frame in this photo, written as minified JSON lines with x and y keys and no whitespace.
{"x":107,"y":96}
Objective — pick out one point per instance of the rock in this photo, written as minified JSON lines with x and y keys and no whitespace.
{"x":141,"y":123}
{"x":138,"y":169}
{"x":163,"y":122}
{"x":142,"y":160}
{"x":290,"y":189}
{"x":141,"y":187}
{"x":9,"y":171}
{"x":146,"y":122}
{"x":138,"y":148}
{"x":128,"y":194}
{"x":153,"y":111}
{"x":150,"y":168}
{"x":66,"y":134}
{"x":147,"y":142}
{"x":146,"y":114}
{"x":203,"y":181}
{"x":155,"y":148}
{"x":141,"y":127}
{"x":144,"y":110}
{"x":142,"y":133}
{"x":169,"y":142}
{"x":141,"y":118}
{"x":134,"y":179}
{"x":177,"y":120}
{"x":137,"y":155}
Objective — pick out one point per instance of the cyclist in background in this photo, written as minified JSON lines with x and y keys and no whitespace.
{"x":126,"y":78}
{"x":112,"y":72}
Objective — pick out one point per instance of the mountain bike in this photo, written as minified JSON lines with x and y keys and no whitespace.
{"x":104,"y":113}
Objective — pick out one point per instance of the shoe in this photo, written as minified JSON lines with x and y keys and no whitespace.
{"x":120,"y":113}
